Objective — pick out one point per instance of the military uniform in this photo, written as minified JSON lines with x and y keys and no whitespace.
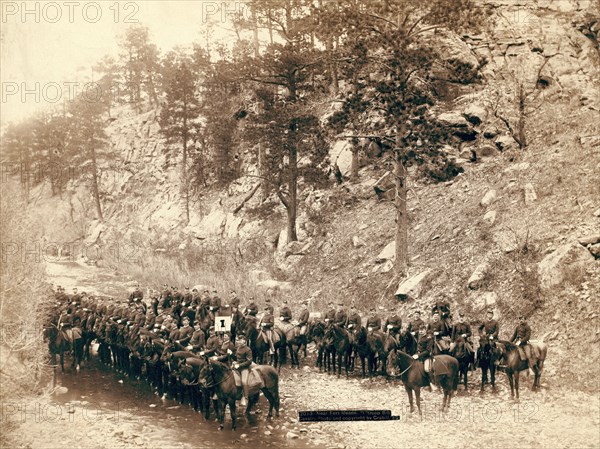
{"x":212,"y":346}
{"x":303,"y":321}
{"x":341,"y":317}
{"x":330,"y":315}
{"x":459,"y":330}
{"x":424,"y":346}
{"x":252,"y":309}
{"x":521,"y":336}
{"x":267,"y":322}
{"x":215,"y":304}
{"x":374,"y":323}
{"x":354,"y":321}
{"x":243,"y":360}
{"x":490,"y":328}
{"x":198,"y":340}
{"x":285,"y":314}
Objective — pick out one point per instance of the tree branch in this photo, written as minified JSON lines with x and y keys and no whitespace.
{"x":246,"y":198}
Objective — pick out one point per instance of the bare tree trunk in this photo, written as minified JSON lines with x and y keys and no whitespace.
{"x":255,"y":32}
{"x":293,"y":198}
{"x":354,"y":166}
{"x":522,"y":117}
{"x":263,"y":173}
{"x":186,"y":189}
{"x":95,"y":188}
{"x":400,"y":174}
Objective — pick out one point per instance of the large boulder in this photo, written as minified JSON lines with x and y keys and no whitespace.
{"x":411,"y":288}
{"x":385,"y":186}
{"x":475,"y":114}
{"x":453,"y":120}
{"x":555,"y":265}
{"x":232,"y":226}
{"x":590,"y":239}
{"x":213,"y":224}
{"x":341,"y":154}
{"x":258,"y":275}
{"x":484,"y":301}
{"x":505,"y":143}
{"x":478,"y":276}
{"x":272,"y":284}
{"x":387,"y":253}
{"x":489,"y":198}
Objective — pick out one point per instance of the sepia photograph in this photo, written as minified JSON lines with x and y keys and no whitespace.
{"x":347,"y":224}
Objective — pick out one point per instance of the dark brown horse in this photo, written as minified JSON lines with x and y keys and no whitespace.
{"x":414,"y":378}
{"x":337,"y":344}
{"x":219,"y":377}
{"x":465,"y":357}
{"x":488,"y":356}
{"x":513,"y":363}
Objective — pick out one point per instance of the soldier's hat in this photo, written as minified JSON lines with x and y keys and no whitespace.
{"x":372,"y":309}
{"x":436,"y":313}
{"x":267,"y":300}
{"x":417,"y":312}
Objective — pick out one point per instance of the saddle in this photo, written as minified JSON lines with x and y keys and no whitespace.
{"x":289,"y":330}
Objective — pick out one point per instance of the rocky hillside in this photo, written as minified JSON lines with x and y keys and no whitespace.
{"x":517,"y":231}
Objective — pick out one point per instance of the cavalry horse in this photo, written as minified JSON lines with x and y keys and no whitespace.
{"x":262,"y":347}
{"x":376,"y":342}
{"x":316,"y":334}
{"x":61,"y":341}
{"x":412,"y":373}
{"x":219,"y":377}
{"x":361,"y":349}
{"x":337,"y":343}
{"x":487,"y":357}
{"x":465,"y":357}
{"x":294,"y":340}
{"x":514,"y":364}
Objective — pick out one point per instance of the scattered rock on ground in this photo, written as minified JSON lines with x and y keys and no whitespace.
{"x":411,"y":287}
{"x":555,"y":265}
{"x":489,"y":198}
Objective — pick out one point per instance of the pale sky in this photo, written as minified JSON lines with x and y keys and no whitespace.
{"x":53,"y":43}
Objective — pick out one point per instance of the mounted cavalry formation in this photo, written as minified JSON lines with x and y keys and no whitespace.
{"x":216,"y":353}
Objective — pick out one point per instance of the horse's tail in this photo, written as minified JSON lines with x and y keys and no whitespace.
{"x":455,"y":376}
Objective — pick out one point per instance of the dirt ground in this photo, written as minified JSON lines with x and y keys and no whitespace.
{"x":554,"y":417}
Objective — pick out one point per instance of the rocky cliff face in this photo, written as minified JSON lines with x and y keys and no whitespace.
{"x":548,"y":45}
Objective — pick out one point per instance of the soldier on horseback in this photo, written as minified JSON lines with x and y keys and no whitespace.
{"x":415,"y":324}
{"x":340,"y":315}
{"x":425,"y":350}
{"x":330,"y":315}
{"x":490,"y":327}
{"x":303,"y":317}
{"x":243,"y":360}
{"x":393,"y":324}
{"x":267,"y":322}
{"x":373,"y":322}
{"x":438,"y":330}
{"x":462,"y":332}
{"x":521,"y":338}
{"x":285,"y":314}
